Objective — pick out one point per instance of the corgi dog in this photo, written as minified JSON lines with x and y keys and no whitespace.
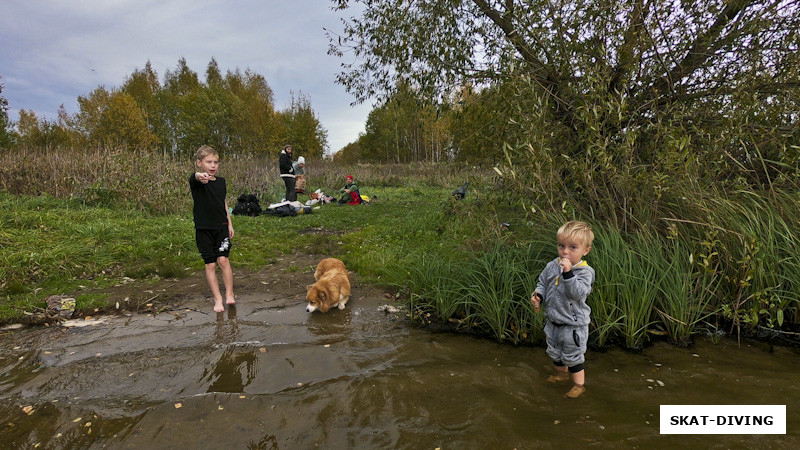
{"x":332,"y":287}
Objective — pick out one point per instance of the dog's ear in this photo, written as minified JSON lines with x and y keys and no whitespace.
{"x":324,"y":304}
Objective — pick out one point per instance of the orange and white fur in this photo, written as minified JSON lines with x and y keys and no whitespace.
{"x":332,"y":288}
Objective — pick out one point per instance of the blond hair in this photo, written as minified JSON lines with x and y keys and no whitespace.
{"x":204,"y":151}
{"x":576,"y":230}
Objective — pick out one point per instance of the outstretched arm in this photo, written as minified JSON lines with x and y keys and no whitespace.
{"x":203,"y":177}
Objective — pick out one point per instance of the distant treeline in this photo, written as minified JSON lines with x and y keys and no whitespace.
{"x":234,"y":112}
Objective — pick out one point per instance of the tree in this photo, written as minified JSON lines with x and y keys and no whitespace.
{"x":143,"y":86}
{"x":406,"y":127}
{"x":28,"y":131}
{"x":649,"y":58}
{"x":113,"y":118}
{"x":257,"y":127}
{"x":303,"y":129}
{"x":5,"y":124}
{"x":609,"y":97}
{"x":350,"y":154}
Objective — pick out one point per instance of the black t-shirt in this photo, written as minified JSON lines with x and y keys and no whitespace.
{"x":209,"y":204}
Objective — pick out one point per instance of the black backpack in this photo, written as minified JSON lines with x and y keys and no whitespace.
{"x":247,"y":205}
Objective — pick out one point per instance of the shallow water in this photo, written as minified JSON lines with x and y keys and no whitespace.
{"x":268,"y":375}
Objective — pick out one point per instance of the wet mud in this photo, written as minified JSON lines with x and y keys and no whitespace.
{"x":266,"y":374}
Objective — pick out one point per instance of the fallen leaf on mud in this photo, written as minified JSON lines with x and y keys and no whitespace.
{"x":149,"y":305}
{"x":88,"y":424}
{"x":299,"y":384}
{"x":242,"y":396}
{"x":98,"y":354}
{"x":28,"y":410}
{"x":77,"y":420}
{"x":556,"y":422}
{"x":327,"y":345}
{"x":82,"y":322}
{"x":262,"y":350}
{"x":87,"y":318}
{"x":220,"y":408}
{"x":178,"y":405}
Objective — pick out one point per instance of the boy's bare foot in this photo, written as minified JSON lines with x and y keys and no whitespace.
{"x":218,"y":307}
{"x":576,"y":391}
{"x":558,"y":377}
{"x":230,"y":301}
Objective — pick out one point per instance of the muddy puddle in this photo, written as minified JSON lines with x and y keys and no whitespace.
{"x":268,"y":375}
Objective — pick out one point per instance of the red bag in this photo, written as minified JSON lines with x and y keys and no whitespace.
{"x":356,"y":198}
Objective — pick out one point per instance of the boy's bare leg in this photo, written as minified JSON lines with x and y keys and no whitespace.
{"x":561,"y":375}
{"x":211,"y":276}
{"x":578,"y":388}
{"x":227,"y":279}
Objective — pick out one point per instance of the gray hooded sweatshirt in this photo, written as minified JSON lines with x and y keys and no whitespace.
{"x":564,"y":294}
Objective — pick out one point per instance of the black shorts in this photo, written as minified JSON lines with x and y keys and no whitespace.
{"x":213,"y":244}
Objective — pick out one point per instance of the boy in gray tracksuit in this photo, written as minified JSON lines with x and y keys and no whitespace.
{"x":563,"y":287}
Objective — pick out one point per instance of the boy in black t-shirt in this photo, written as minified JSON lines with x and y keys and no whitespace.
{"x":212,"y":223}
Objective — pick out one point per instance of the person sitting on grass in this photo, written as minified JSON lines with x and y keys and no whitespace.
{"x":350,"y":193}
{"x":563,"y":287}
{"x":212,"y":223}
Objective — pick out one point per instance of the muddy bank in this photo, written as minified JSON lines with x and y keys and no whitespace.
{"x":286,"y":278}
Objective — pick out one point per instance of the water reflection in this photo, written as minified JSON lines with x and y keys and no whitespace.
{"x":235,"y":369}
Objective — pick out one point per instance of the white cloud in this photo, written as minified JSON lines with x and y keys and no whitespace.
{"x":53,"y":52}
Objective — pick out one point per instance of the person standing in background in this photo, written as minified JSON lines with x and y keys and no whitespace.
{"x":287,"y":173}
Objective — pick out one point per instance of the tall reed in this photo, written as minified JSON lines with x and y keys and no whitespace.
{"x":687,"y":291}
{"x":490,"y":293}
{"x":628,"y":275}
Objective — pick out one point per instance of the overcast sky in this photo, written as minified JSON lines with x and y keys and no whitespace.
{"x":53,"y":51}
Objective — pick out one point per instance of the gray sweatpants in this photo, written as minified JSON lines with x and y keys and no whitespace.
{"x":566,"y":343}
